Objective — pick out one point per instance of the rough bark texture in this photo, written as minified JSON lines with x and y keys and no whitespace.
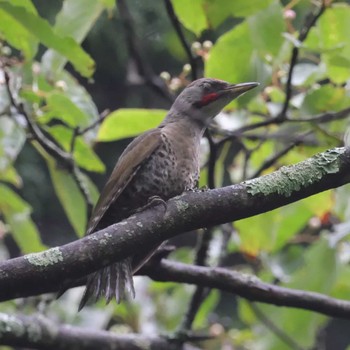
{"x":46,"y":271}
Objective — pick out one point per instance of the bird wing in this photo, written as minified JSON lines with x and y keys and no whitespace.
{"x":139,"y":150}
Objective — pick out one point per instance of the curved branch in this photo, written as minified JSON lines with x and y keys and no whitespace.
{"x":248,"y":287}
{"x":46,"y":271}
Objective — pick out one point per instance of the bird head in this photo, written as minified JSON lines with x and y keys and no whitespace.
{"x":204,"y":98}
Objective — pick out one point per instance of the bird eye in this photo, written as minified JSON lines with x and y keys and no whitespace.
{"x":206,"y":86}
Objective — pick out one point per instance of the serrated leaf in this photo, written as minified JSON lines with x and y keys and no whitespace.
{"x":34,"y":26}
{"x":84,"y":156}
{"x":17,"y":215}
{"x":125,"y":123}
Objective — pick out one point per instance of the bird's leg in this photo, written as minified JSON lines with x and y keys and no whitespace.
{"x":153,"y":201}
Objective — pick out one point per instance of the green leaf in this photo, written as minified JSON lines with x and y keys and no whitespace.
{"x":218,"y":10}
{"x":17,"y":215}
{"x":283,"y":223}
{"x":70,"y":93}
{"x":244,"y":8}
{"x":85,"y":157}
{"x":246,"y":46}
{"x":70,"y":197}
{"x":11,"y":176}
{"x":74,"y":20}
{"x":60,"y":107}
{"x":341,"y":288}
{"x":17,"y":35}
{"x":331,"y":36}
{"x":69,"y":194}
{"x":266,"y":29}
{"x":318,"y":274}
{"x":191,"y":14}
{"x":232,"y":50}
{"x":109,"y":4}
{"x":79,"y":96}
{"x":27,"y":4}
{"x":325,"y":98}
{"x":12,"y":139}
{"x":125,"y":123}
{"x":206,"y":308}
{"x":40,"y":29}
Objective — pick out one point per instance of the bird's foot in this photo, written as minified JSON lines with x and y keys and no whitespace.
{"x":153,"y":201}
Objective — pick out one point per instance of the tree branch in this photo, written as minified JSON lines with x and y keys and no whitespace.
{"x":46,"y":271}
{"x":39,"y":332}
{"x":248,"y":287}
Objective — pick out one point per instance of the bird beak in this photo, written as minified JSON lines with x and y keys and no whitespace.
{"x":238,"y":89}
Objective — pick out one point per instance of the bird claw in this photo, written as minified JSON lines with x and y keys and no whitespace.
{"x":153,"y":201}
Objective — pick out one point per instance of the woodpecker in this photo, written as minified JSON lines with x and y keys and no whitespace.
{"x":163,"y":163}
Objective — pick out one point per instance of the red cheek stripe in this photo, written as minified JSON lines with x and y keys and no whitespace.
{"x":209,"y":98}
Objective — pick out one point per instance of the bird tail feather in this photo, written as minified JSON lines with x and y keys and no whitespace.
{"x":114,"y":281}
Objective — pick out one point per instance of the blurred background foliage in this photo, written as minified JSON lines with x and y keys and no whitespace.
{"x":86,"y":76}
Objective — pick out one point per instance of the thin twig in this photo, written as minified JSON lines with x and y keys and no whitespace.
{"x":318,"y":119}
{"x":309,"y":23}
{"x":238,"y":132}
{"x":272,"y":160}
{"x":144,"y":69}
{"x":54,"y":150}
{"x":282,"y":116}
{"x":200,"y":292}
{"x":248,"y":154}
{"x":177,"y":26}
{"x":50,"y":147}
{"x":78,"y":132}
{"x":324,"y":117}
